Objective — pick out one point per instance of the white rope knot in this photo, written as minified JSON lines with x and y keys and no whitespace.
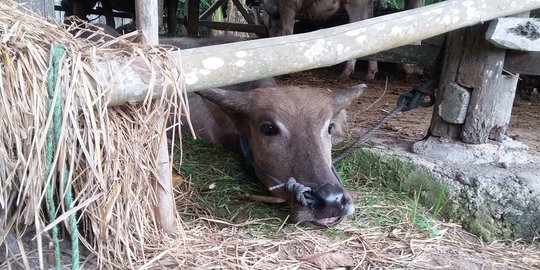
{"x":299,"y":191}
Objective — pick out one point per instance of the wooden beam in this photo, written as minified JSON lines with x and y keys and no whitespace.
{"x":239,"y":27}
{"x":206,"y":14}
{"x":474,"y":64}
{"x":244,"y":12}
{"x":479,"y":70}
{"x":522,"y":62}
{"x":514,"y":62}
{"x":423,"y":55}
{"x":227,"y":64}
{"x":521,"y":34}
{"x":146,"y":12}
{"x":452,"y":60}
{"x":160,"y":15}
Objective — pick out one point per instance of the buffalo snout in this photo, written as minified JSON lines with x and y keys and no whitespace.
{"x":332,"y":203}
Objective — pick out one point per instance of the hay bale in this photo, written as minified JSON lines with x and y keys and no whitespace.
{"x":105,"y":154}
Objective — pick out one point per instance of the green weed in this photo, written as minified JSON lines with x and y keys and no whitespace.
{"x":204,"y":163}
{"x":439,"y":203}
{"x":374,"y":181}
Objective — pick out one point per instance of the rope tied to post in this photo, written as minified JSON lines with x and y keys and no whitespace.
{"x":415,"y":98}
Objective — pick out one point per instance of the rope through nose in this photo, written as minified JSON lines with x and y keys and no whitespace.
{"x":300,"y":192}
{"x":303,"y":194}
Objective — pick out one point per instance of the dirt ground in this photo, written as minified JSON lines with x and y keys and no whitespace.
{"x":413,"y":125}
{"x":372,"y":247}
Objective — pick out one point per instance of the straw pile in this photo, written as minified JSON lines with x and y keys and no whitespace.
{"x":109,"y":160}
{"x":107,"y":155}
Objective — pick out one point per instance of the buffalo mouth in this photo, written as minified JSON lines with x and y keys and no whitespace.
{"x":327,"y":222}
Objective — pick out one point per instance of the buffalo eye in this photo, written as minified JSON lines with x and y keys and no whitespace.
{"x":331,"y":128}
{"x":268,"y":129}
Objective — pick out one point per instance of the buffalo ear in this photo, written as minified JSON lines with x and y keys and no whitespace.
{"x":343,"y":98}
{"x":231,"y":101}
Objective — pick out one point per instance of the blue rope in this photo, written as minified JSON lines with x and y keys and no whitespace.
{"x":421,"y":95}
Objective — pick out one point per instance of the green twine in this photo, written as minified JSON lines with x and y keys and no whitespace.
{"x":51,"y":84}
{"x":53,"y":137}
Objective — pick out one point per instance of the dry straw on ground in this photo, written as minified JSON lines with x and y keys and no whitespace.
{"x":110,"y":158}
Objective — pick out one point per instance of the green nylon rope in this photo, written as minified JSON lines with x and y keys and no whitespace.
{"x":53,"y":137}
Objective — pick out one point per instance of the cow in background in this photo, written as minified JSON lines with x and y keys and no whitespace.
{"x":82,"y":8}
{"x":279,"y":18}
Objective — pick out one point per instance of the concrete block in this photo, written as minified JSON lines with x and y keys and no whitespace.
{"x":453,"y":108}
{"x":507,"y":153}
{"x":515,"y":33}
{"x":491,"y":200}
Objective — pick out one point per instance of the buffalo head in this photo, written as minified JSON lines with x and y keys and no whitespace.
{"x":288,"y":134}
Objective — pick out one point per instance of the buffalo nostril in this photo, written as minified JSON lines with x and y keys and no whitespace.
{"x":331,"y":195}
{"x":332,"y":201}
{"x":344,"y":200}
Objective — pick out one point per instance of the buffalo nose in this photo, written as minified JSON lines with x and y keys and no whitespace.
{"x":334,"y":200}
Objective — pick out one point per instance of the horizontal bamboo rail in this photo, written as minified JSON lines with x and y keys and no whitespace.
{"x":220,"y":65}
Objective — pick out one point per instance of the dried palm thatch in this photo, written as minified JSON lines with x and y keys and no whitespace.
{"x":106,"y":154}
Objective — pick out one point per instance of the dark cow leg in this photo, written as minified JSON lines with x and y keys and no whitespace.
{"x":348,"y":70}
{"x":108,"y":11}
{"x":172,"y":7}
{"x":287,"y":13}
{"x":373,"y":67}
{"x":357,"y":11}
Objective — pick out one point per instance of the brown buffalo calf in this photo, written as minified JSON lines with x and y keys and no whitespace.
{"x":286,"y":134}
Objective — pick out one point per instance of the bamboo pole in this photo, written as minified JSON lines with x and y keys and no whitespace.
{"x":146,"y":12}
{"x":147,"y":21}
{"x":227,"y":64}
